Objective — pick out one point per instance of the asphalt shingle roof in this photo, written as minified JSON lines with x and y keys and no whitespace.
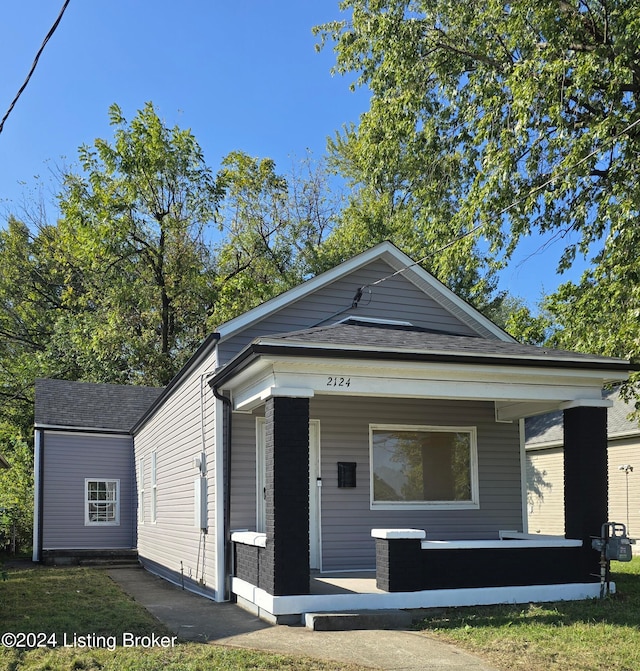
{"x":91,"y":406}
{"x":400,"y":338}
{"x":549,"y":428}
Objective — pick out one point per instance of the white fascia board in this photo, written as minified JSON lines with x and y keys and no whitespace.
{"x":587,"y":403}
{"x":506,"y":411}
{"x":538,"y":388}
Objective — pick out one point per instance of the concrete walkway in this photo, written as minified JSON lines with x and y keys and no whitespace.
{"x":195,"y":618}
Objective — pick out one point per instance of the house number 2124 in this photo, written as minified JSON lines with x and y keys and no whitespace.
{"x":338,"y":382}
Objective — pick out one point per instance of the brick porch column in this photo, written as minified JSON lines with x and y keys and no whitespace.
{"x":585,"y":479}
{"x":286,"y":559}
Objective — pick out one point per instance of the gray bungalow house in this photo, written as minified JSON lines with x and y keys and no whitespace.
{"x":365,"y":424}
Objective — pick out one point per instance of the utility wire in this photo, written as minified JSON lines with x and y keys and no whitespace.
{"x":34,"y":64}
{"x":504,"y":210}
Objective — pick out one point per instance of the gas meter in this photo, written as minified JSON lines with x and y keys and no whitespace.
{"x":614,"y":542}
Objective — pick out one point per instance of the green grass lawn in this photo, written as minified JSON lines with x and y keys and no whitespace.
{"x":63,"y":601}
{"x":563,"y":636}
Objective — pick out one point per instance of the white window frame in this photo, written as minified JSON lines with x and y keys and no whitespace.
{"x":472,"y":504}
{"x":141,"y":496}
{"x":99,"y":523}
{"x":154,"y":487}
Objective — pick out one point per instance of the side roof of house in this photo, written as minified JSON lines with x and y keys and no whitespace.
{"x":87,"y":405}
{"x":547,"y":430}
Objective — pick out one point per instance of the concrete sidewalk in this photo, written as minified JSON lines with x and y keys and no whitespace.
{"x":195,"y":618}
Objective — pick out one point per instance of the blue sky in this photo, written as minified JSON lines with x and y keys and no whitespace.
{"x":241,"y":74}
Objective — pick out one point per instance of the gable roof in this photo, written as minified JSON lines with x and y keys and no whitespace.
{"x":401,"y":264}
{"x":88,"y":405}
{"x":548,"y":430}
{"x":385,"y":251}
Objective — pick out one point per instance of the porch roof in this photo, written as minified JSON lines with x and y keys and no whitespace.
{"x":402,"y":360}
{"x":358,"y":339}
{"x":384,"y":338}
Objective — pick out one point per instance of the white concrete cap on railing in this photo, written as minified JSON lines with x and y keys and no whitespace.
{"x":395,"y":534}
{"x":250,"y":538}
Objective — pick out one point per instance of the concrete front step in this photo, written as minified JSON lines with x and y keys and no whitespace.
{"x":352,"y":620}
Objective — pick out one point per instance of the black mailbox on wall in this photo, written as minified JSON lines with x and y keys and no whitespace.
{"x":347,"y":473}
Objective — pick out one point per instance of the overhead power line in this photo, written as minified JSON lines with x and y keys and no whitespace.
{"x":34,"y":64}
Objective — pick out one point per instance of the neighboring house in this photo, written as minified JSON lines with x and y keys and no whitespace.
{"x":330,"y":430}
{"x":545,"y":469}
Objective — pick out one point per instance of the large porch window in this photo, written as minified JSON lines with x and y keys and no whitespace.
{"x":417,"y":467}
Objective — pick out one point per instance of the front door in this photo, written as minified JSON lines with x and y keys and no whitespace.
{"x":314,"y":486}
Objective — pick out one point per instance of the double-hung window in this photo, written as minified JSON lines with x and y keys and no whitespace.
{"x":141,"y":491}
{"x":154,"y":487}
{"x":423,"y":467}
{"x":102,"y":502}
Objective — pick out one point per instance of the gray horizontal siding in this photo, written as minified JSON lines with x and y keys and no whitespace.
{"x":346,"y":516}
{"x":175,"y":435}
{"x":396,"y":298}
{"x":243,"y":473}
{"x":68,"y":459}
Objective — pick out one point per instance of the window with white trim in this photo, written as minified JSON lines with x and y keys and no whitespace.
{"x":154,"y":487}
{"x":141,"y":490}
{"x":420,"y":467}
{"x":102,"y":502}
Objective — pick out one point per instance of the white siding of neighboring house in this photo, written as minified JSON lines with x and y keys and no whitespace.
{"x":621,"y":452}
{"x":346,"y":517}
{"x":172,"y":546}
{"x":68,"y":459}
{"x":546,"y":513}
{"x":545,"y":501}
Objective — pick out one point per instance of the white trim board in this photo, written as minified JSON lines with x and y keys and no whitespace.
{"x":439,"y":598}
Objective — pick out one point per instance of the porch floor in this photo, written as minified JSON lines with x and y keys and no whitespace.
{"x":344,"y":582}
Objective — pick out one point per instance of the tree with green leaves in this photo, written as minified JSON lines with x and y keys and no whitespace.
{"x":140,"y":276}
{"x":16,"y":491}
{"x":31,"y":287}
{"x":525,"y":116}
{"x":273,"y":230}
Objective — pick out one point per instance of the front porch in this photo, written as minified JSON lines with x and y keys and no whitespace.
{"x":335,"y":597}
{"x":412,"y":436}
{"x":410,"y":574}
